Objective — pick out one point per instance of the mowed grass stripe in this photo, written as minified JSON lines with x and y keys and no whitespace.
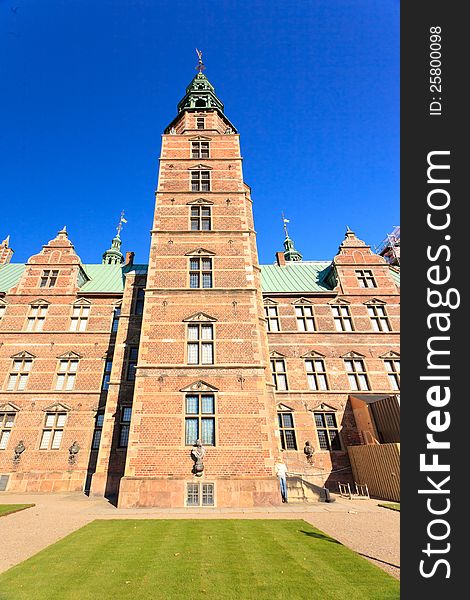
{"x":193,"y":559}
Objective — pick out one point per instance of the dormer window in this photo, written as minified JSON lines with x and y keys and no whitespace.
{"x":200,"y":123}
{"x":365,"y":278}
{"x":48,"y":278}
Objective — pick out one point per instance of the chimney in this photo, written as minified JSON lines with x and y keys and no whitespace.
{"x":5,"y":251}
{"x":129,"y":259}
{"x":281,"y":259}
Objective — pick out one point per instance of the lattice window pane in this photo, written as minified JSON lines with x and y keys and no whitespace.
{"x":319,"y":420}
{"x":208,"y":434}
{"x":312,"y":382}
{"x":322,"y":381}
{"x":46,"y":436}
{"x":192,"y":497}
{"x":353,"y":382}
{"x":192,"y":405}
{"x":207,"y":354}
{"x":193,"y":354}
{"x":126,"y":414}
{"x":330,"y":420}
{"x":207,"y":405}
{"x":193,"y":332}
{"x":57,"y":438}
{"x":207,"y":494}
{"x":50,"y":420}
{"x":4,"y":437}
{"x":192,"y":426}
{"x":194,"y":280}
{"x":207,"y":280}
{"x":287,"y":420}
{"x":323,"y":439}
{"x":281,"y":381}
{"x":290,"y":440}
{"x":61,"y":418}
{"x":206,"y":331}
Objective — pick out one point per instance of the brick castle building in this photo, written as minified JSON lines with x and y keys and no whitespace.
{"x":110,"y":372}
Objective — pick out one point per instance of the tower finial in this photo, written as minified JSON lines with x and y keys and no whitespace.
{"x":285,"y":221}
{"x":121,"y":221}
{"x":200,"y":65}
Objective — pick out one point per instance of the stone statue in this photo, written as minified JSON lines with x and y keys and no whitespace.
{"x":18,"y":450}
{"x":73,"y":451}
{"x":309,"y":452}
{"x":197,"y":454}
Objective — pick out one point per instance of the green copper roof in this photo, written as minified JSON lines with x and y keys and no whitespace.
{"x":295,"y":277}
{"x":102,"y":278}
{"x":10,"y":275}
{"x":200,"y":93}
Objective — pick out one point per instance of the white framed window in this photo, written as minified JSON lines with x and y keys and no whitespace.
{"x":200,"y":272}
{"x":36,"y":317}
{"x":272,"y":318}
{"x":200,"y":181}
{"x":199,"y":149}
{"x":279,"y":373}
{"x":199,"y":494}
{"x":365,"y":278}
{"x":19,"y":374}
{"x":79,"y":319}
{"x":66,"y":374}
{"x":7,"y":420}
{"x":357,"y":375}
{"x":342,"y":317}
{"x":48,"y":278}
{"x":378,"y":317}
{"x":392,"y":366}
{"x":200,"y":218}
{"x":53,"y":430}
{"x":316,"y":374}
{"x":200,"y":419}
{"x":200,"y":342}
{"x":305,"y":318}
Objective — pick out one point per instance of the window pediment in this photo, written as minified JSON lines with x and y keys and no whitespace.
{"x":200,"y":317}
{"x":23,"y":354}
{"x":302,"y":301}
{"x":200,"y":201}
{"x":200,"y":138}
{"x":375,"y":301}
{"x":70,"y":355}
{"x":275,"y":354}
{"x":82,"y":302}
{"x":280,"y":407}
{"x":200,"y":252}
{"x":9,"y":407}
{"x":2,"y":302}
{"x":390,"y":354}
{"x":313,"y":354}
{"x":199,"y":386}
{"x":270,"y":302}
{"x":339,"y":301}
{"x":57,"y":407}
{"x":200,"y":167}
{"x":323,"y":407}
{"x":352,"y":354}
{"x":39,"y":302}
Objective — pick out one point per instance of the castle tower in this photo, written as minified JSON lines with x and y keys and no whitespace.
{"x":202,"y":370}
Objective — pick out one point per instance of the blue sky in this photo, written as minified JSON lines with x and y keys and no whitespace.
{"x":86,"y":89}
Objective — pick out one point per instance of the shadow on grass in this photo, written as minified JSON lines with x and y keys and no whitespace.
{"x":320,"y":536}
{"x":379,"y":560}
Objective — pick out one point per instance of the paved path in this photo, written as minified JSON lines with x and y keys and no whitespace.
{"x":361,"y":525}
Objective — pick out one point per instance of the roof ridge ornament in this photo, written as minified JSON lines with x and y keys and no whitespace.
{"x":200,"y":67}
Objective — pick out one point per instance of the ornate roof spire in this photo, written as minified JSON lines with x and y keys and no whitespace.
{"x":290,"y":253}
{"x":200,"y":65}
{"x":114,"y":256}
{"x":200,"y":93}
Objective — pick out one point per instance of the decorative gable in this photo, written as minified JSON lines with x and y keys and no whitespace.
{"x":199,"y":386}
{"x":199,"y":201}
{"x":70,"y":355}
{"x":390,"y":354}
{"x":23,"y":354}
{"x":353,"y":354}
{"x":57,"y":407}
{"x":313,"y":354}
{"x":199,"y":251}
{"x":200,"y":317}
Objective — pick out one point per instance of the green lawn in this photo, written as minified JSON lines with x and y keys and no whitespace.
{"x":7,"y":509}
{"x":194,"y":559}
{"x":391,"y":506}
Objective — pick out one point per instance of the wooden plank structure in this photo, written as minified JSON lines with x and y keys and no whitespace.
{"x":377,"y":466}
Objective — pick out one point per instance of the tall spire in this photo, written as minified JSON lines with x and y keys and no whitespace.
{"x":290,"y":253}
{"x":114,"y":256}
